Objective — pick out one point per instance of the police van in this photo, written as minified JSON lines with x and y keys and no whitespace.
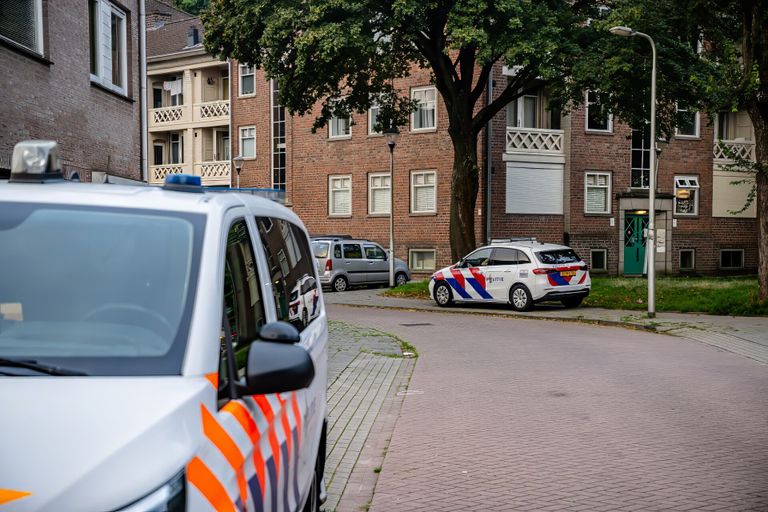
{"x":519,"y":272}
{"x":149,"y":360}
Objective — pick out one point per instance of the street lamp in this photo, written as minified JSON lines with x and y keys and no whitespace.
{"x":392,"y":134}
{"x":651,"y":243}
{"x":238,"y":161}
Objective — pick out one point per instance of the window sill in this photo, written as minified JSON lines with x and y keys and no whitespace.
{"x":422,"y":214}
{"x":375,"y":135}
{"x":587,"y":131}
{"x":686,"y":215}
{"x":340,"y":216}
{"x":253,"y":94}
{"x":340,"y":137}
{"x":23,"y":50}
{"x":378,"y":215}
{"x":113,"y":93}
{"x":598,"y":214}
{"x":688,"y":137}
{"x":423,"y":130}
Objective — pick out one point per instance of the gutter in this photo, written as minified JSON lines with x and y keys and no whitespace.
{"x":143,"y":87}
{"x":231,"y":135}
{"x":488,"y":164}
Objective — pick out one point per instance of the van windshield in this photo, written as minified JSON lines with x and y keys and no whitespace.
{"x":104,"y":291}
{"x":320,"y":249}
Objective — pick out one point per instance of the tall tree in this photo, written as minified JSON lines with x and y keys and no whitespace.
{"x":346,"y":54}
{"x":192,"y":6}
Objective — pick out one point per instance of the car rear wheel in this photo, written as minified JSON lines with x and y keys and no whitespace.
{"x":400,"y":279}
{"x":340,"y":284}
{"x":572,"y":302}
{"x":443,"y":295}
{"x":520,"y":298}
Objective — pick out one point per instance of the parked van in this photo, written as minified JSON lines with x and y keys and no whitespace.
{"x":147,"y":361}
{"x":343,"y":261}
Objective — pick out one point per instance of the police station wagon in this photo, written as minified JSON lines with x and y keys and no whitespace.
{"x":516,"y":272}
{"x":147,"y":359}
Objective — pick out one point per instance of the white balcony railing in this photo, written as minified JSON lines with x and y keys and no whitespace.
{"x":213,"y":109}
{"x":157,"y":173}
{"x":167,"y":115}
{"x":741,"y":149}
{"x":534,"y":140}
{"x":214,"y":173}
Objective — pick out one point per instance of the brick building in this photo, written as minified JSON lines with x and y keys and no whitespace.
{"x":71,"y":74}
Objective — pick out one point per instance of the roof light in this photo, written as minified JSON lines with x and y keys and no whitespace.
{"x":35,"y":161}
{"x":183,"y":183}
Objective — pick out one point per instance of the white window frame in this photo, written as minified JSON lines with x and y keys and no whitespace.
{"x":180,"y":145}
{"x":413,"y":114}
{"x":607,"y":187}
{"x":696,"y":126}
{"x":414,"y":187}
{"x":587,"y":103}
{"x":720,"y":263}
{"x":592,"y":267}
{"x":371,"y":131}
{"x":371,"y":178}
{"x":412,"y":252}
{"x":100,"y":77}
{"x":240,"y":136}
{"x":331,"y":179}
{"x":693,"y":260}
{"x":687,"y":183}
{"x":331,"y":135}
{"x":240,"y":76}
{"x":39,"y":36}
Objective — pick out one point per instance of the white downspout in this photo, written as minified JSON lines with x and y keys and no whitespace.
{"x":143,"y":87}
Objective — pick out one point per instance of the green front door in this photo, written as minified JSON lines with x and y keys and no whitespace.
{"x":635,"y":227}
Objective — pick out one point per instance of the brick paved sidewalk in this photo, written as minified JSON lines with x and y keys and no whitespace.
{"x":367,"y":370}
{"x":746,"y":336}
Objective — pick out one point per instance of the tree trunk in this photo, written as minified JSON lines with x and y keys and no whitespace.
{"x":464,"y":187}
{"x":760,"y":124}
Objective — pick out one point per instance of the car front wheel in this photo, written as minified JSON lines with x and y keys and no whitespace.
{"x":443,"y":295}
{"x":520,"y":298}
{"x":400,"y":279}
{"x":340,"y":284}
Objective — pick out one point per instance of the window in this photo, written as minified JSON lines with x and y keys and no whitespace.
{"x":723,"y":125}
{"x":340,"y":128}
{"x":421,"y":259}
{"x":479,"y":258}
{"x":337,"y":251}
{"x":291,"y":271}
{"x":641,"y":158}
{"x":423,"y":192}
{"x":599,"y":260}
{"x":425,"y":115}
{"x":686,"y":195}
{"x":508,"y":256}
{"x":732,"y":258}
{"x":558,"y":257}
{"x":21,"y":21}
{"x":353,"y":251}
{"x":108,"y":41}
{"x":157,"y":95}
{"x":687,"y":123}
{"x":247,"y":80}
{"x":374,"y":252}
{"x":597,"y":119}
{"x":522,"y":112}
{"x":525,"y":193}
{"x":597,"y":193}
{"x":373,"y":117}
{"x":278,"y":140}
{"x":158,"y":154}
{"x":687,"y":259}
{"x":340,"y":195}
{"x":248,"y":142}
{"x":379,"y":194}
{"x":177,"y":148}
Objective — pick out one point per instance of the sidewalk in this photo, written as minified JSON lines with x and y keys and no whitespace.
{"x":746,"y":336}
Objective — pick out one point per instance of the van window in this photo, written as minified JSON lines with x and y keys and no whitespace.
{"x":558,"y":257}
{"x":353,"y":251}
{"x":291,"y":269}
{"x":320,"y":249}
{"x":374,"y":252}
{"x":337,"y":251}
{"x":505,"y":256}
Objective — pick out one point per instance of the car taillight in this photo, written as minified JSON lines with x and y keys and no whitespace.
{"x":543,"y":271}
{"x":328,"y":265}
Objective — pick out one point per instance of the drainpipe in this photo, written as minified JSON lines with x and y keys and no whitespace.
{"x":231,"y":135}
{"x":143,"y":87}
{"x":488,"y":164}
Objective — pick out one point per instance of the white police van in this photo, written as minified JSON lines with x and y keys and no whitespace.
{"x":520,"y":272}
{"x":146,"y":359}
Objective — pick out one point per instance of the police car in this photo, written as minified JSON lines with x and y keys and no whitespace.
{"x":516,"y":272}
{"x":146,"y":359}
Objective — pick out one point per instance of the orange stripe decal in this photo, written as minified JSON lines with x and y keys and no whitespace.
{"x":297,"y":415}
{"x":8,"y":495}
{"x":266,"y":409}
{"x":226,"y":445}
{"x":243,"y":416}
{"x":206,"y":482}
{"x":213,"y":378}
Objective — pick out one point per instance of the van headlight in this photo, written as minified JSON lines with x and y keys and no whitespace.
{"x":170,"y":497}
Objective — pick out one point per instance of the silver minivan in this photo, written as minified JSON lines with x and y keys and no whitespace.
{"x":343,"y":262}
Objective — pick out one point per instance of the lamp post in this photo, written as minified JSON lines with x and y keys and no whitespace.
{"x":651,"y":242}
{"x":238,"y":161}
{"x":392,"y":134}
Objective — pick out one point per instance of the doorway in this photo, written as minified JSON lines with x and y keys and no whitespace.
{"x":635,"y":231}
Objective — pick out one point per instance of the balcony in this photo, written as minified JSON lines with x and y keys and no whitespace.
{"x":722,"y":151}
{"x":211,"y":111}
{"x":211,"y":173}
{"x":534,"y":144}
{"x":168,"y":116}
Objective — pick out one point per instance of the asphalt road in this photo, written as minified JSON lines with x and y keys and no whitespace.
{"x":510,"y":414}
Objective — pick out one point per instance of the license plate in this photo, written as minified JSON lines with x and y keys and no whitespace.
{"x":568,"y":273}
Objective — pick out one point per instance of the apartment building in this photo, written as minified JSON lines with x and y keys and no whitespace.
{"x":71,"y":74}
{"x":188,"y":100}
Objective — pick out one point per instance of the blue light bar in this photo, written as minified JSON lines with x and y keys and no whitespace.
{"x":183,"y":183}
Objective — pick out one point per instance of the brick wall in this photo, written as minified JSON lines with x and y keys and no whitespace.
{"x":96,"y":130}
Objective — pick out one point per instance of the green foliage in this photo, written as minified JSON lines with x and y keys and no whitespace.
{"x":192,"y":6}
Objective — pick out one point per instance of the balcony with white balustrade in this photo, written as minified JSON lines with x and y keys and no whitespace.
{"x":212,"y":174}
{"x":168,"y":118}
{"x":724,"y":151}
{"x":534,"y":144}
{"x":211,"y":113}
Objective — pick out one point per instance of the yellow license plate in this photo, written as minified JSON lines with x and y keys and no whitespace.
{"x":568,"y":273}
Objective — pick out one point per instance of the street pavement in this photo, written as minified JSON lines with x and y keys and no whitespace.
{"x":505,"y":413}
{"x":746,"y":336}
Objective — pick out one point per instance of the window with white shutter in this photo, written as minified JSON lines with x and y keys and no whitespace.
{"x":424,"y":117}
{"x":21,"y":21}
{"x":379,"y":194}
{"x":423,"y":192}
{"x":109,"y":62}
{"x":340,"y":195}
{"x":534,"y":188}
{"x":248,"y":141}
{"x":597,"y":192}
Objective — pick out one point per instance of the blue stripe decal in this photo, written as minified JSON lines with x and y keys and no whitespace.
{"x":258,"y":499}
{"x":479,"y":289}
{"x":272,"y":469}
{"x":455,"y":285}
{"x":560,"y":280}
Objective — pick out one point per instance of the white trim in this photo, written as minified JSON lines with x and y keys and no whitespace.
{"x":100,"y":76}
{"x":586,"y":118}
{"x":370,"y":192}
{"x":240,"y":93}
{"x":687,"y":183}
{"x":413,"y":114}
{"x":696,"y":126}
{"x":592,"y":267}
{"x":339,"y":137}
{"x":693,"y":260}
{"x":720,"y":263}
{"x":414,"y":268}
{"x":607,"y":187}
{"x":371,"y":132}
{"x":413,"y":187}
{"x":240,"y":139}
{"x":331,"y":179}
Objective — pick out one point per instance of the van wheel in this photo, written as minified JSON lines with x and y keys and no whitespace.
{"x":340,"y":284}
{"x":400,"y":279}
{"x":443,"y":295}
{"x":573,"y":302}
{"x":520,"y":298}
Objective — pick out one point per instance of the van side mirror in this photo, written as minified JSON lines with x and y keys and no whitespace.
{"x":277,"y":368}
{"x":279,"y":332}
